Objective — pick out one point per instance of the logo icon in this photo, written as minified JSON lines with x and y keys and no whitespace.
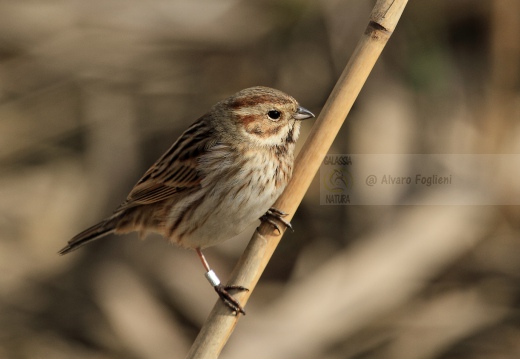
{"x":337,"y":180}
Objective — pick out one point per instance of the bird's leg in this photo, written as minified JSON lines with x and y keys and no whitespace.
{"x":272,"y":215}
{"x":221,"y":290}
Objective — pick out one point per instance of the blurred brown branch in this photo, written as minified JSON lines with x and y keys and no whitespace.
{"x":383,"y":19}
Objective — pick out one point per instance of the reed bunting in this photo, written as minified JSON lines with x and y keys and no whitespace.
{"x":223,"y":173}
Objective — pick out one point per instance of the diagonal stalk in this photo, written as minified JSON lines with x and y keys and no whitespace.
{"x":220,"y":323}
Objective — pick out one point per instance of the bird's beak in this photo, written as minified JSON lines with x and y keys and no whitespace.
{"x":302,"y":114}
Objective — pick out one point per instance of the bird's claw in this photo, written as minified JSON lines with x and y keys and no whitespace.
{"x":272,"y":215}
{"x":228,"y":299}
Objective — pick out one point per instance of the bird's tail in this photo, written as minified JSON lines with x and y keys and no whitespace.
{"x":97,"y":231}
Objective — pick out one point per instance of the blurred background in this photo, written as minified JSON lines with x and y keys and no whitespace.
{"x":92,"y":92}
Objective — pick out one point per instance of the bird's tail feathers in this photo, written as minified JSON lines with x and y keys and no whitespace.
{"x":97,"y":231}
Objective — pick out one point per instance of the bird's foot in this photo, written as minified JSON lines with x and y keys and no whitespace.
{"x":273,"y":215}
{"x":223,"y":293}
{"x":228,"y":299}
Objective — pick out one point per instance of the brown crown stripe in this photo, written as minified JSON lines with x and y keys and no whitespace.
{"x":251,"y":101}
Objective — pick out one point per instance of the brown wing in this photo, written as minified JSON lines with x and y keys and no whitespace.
{"x":176,"y":171}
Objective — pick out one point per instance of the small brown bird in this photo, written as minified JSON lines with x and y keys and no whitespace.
{"x":223,"y":173}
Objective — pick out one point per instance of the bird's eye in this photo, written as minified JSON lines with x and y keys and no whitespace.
{"x":274,"y":114}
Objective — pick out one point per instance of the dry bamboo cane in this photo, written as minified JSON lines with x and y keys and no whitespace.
{"x":221,"y":322}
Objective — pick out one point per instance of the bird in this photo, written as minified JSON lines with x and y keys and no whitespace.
{"x":220,"y":176}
